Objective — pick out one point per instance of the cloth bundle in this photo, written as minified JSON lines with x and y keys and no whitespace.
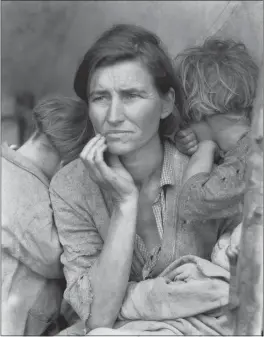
{"x":167,"y":306}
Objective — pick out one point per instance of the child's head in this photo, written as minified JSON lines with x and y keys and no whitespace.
{"x":218,"y":77}
{"x":65,"y":124}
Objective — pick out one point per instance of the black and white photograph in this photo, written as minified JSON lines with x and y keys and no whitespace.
{"x":132,"y":168}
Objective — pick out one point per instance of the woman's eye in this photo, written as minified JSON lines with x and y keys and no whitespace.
{"x":99,"y":98}
{"x":131,"y":96}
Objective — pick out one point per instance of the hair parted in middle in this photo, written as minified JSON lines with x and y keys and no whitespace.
{"x":219,"y":76}
{"x":126,"y":42}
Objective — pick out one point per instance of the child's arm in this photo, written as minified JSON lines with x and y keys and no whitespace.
{"x":216,"y":191}
{"x":202,"y":160}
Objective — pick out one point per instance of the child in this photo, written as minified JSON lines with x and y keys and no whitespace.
{"x":32,"y":275}
{"x":219,"y":80}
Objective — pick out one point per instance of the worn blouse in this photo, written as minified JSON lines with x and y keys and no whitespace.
{"x":82,"y":214}
{"x":30,"y":247}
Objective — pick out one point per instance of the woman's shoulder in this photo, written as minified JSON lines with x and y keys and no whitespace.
{"x":176,"y":157}
{"x":72,"y":178}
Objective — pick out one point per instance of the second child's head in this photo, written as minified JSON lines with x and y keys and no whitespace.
{"x":63,"y":127}
{"x":218,"y":77}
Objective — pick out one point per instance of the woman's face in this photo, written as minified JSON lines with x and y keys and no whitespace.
{"x":125,"y":106}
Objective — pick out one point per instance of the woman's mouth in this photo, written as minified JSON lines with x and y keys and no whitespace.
{"x":116,"y":133}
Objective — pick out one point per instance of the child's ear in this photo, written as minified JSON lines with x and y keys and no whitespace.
{"x":168,"y":104}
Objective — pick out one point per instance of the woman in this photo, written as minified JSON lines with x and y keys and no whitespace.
{"x":116,"y":208}
{"x":32,"y":275}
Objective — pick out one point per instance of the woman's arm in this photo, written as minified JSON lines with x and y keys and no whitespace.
{"x":97,"y":273}
{"x":110,"y":274}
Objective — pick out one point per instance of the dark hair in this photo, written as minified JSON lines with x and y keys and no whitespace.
{"x":65,"y":123}
{"x":124,"y":42}
{"x":218,"y":76}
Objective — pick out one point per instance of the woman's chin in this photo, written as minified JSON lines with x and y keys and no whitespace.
{"x":119,"y":149}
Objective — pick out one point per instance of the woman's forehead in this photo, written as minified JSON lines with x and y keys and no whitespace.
{"x":123,"y":75}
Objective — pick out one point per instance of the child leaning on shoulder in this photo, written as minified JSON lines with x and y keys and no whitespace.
{"x":219,"y":81}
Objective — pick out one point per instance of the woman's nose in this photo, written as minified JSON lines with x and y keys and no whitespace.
{"x":115,"y":113}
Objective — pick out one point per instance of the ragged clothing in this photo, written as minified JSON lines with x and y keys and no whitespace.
{"x":167,"y":306}
{"x":218,"y":194}
{"x":204,"y":289}
{"x":32,"y":274}
{"x":82,"y":214}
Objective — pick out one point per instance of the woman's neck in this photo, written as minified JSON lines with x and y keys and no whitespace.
{"x":45,"y":160}
{"x":145,"y":164}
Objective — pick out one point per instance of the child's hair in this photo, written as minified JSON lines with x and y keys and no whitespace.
{"x":217,"y":77}
{"x":65,"y":123}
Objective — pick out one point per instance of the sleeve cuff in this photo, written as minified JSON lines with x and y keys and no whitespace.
{"x":80,"y":296}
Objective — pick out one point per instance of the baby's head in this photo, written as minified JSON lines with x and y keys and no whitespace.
{"x":64,"y":123}
{"x":218,"y":77}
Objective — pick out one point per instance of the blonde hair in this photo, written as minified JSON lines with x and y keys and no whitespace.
{"x":217,"y":77}
{"x":65,"y":123}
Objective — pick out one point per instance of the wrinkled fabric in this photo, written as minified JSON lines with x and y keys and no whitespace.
{"x":220,"y":193}
{"x":82,"y":214}
{"x":163,"y":298}
{"x":31,"y":268}
{"x":163,"y":306}
{"x":177,"y":307}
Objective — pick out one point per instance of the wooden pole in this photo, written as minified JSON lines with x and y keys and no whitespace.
{"x":248,"y":314}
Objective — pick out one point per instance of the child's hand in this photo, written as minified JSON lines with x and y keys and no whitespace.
{"x":186,"y":141}
{"x":188,"y":271}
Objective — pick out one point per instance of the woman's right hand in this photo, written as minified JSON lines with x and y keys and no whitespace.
{"x":113,"y":177}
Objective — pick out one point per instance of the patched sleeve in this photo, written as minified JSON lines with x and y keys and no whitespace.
{"x":82,"y":245}
{"x":216,"y":195}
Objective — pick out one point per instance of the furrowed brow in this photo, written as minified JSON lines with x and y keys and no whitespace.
{"x":98,"y":92}
{"x":131,"y":90}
